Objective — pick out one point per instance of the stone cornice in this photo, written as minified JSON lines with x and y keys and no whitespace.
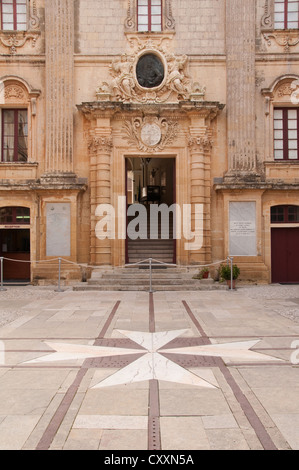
{"x":97,"y":109}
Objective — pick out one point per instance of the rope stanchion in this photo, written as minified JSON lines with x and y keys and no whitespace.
{"x":151,"y":262}
{"x":1,"y":275}
{"x":59,"y":276}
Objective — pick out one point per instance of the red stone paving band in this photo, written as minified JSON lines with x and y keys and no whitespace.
{"x":49,"y":434}
{"x":154,"y":434}
{"x":247,"y":408}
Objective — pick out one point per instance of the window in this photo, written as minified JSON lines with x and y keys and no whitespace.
{"x":14,"y":135}
{"x":149,"y":14}
{"x":14,"y":216}
{"x":284,"y":214}
{"x":286,"y":14}
{"x":14,"y":15}
{"x":286,"y":134}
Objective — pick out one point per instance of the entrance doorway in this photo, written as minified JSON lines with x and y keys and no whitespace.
{"x":285,"y":255}
{"x":284,"y":244}
{"x":150,"y":183}
{"x":15,"y":243}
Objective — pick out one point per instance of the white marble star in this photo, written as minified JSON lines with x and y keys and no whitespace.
{"x":153,"y":365}
{"x":65,"y":351}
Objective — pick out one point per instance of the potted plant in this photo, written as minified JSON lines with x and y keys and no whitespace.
{"x":225,"y":273}
{"x":204,"y":273}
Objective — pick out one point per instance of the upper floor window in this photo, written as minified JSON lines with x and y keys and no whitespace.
{"x":286,"y":14}
{"x":14,"y":15}
{"x":286,"y":133}
{"x":14,"y":135}
{"x":149,"y":15}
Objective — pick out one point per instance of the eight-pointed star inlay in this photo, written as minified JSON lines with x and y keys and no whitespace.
{"x":153,"y":365}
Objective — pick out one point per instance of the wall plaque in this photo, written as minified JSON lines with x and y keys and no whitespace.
{"x":242,"y":229}
{"x":58,"y":229}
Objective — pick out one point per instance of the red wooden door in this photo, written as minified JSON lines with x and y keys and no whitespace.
{"x":285,"y":255}
{"x":15,"y":249}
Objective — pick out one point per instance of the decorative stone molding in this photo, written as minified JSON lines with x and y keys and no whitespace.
{"x":283,"y":39}
{"x":14,"y":90}
{"x":130,"y":22}
{"x":127,"y":87}
{"x":284,"y":89}
{"x":131,"y":19}
{"x":150,"y":134}
{"x":34,"y":22}
{"x":103,"y":143}
{"x":267,"y":22}
{"x":14,"y":93}
{"x":15,"y":40}
{"x":201,"y":143}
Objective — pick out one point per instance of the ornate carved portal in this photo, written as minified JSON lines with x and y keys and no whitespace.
{"x":150,"y":108}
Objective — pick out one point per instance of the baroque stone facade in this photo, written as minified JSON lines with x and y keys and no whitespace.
{"x":190,"y":110}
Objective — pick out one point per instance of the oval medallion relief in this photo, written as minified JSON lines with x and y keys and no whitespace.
{"x":150,"y":71}
{"x":150,"y":134}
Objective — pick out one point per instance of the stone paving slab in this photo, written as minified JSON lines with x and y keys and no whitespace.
{"x":237,"y":403}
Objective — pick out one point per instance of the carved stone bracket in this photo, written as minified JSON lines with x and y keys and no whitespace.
{"x":267,"y":18}
{"x":286,"y":40}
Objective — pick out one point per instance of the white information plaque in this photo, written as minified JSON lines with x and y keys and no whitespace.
{"x":242,"y":229}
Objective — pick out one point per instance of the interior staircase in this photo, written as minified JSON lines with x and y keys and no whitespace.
{"x":161,"y":248}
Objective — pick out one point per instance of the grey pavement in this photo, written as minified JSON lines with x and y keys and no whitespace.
{"x":70,"y":377}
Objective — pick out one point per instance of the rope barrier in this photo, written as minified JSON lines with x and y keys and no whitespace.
{"x":149,"y":261}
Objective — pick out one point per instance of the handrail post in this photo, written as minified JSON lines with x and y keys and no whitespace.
{"x":1,"y":269}
{"x":151,"y":280}
{"x":59,"y":276}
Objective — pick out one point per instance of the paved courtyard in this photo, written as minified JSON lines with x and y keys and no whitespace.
{"x":139,"y":371}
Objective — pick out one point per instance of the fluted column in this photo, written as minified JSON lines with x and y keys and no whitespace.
{"x":100,"y":193}
{"x":240,"y":41}
{"x":59,"y":28}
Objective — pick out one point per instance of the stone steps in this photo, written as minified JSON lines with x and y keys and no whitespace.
{"x":138,"y":279}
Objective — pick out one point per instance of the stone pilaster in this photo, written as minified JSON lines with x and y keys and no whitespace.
{"x":200,"y":146}
{"x":100,"y":149}
{"x":240,"y":43}
{"x":59,"y":17}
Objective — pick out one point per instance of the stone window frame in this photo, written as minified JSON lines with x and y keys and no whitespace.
{"x":16,"y":39}
{"x":283,"y":93}
{"x":14,"y":16}
{"x":15,"y":153}
{"x":267,"y":21}
{"x":285,"y":120}
{"x":15,"y":93}
{"x":131,"y":22}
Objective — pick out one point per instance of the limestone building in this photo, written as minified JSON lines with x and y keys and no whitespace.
{"x":119,"y":102}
